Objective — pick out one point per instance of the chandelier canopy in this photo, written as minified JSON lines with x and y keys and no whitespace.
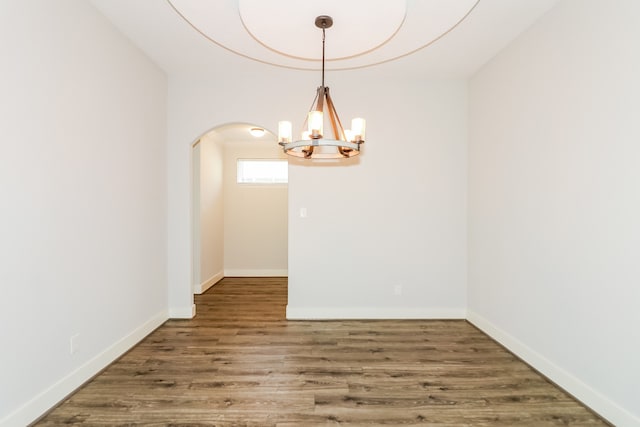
{"x":313,"y":143}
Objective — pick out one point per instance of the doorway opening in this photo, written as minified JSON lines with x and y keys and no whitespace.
{"x":239,"y":228}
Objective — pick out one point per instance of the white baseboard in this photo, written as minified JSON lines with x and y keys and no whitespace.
{"x":599,"y":403}
{"x":182,"y":312}
{"x":327,"y":313}
{"x":256,"y":273}
{"x":202,"y":287}
{"x":47,"y":399}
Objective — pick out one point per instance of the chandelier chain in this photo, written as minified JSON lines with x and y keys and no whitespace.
{"x":323,"y":30}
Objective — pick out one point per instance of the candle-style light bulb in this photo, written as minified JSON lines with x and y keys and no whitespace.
{"x":358,"y":126}
{"x":284,"y":131}
{"x":315,"y":122}
{"x":348,"y":134}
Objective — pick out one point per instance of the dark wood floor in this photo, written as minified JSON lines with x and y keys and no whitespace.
{"x":239,"y":362}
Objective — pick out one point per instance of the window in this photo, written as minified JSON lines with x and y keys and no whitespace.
{"x":262,"y":171}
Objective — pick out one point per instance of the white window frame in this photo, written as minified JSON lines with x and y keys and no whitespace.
{"x":244,"y":176}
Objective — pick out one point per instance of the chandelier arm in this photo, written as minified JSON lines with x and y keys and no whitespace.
{"x":322,"y":93}
{"x":311,"y":108}
{"x":344,"y":151}
{"x":308,"y":151}
{"x":338,"y":131}
{"x":333,"y":117}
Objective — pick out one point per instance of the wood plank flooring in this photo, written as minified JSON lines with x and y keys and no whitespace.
{"x":240,"y":363}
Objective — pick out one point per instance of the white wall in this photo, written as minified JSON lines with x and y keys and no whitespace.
{"x":83,"y":190}
{"x":255,"y":216}
{"x":395,"y":216}
{"x":391,"y":221}
{"x":209,"y":232}
{"x":554,"y":201}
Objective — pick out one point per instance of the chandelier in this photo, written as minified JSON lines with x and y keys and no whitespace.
{"x":313,"y":143}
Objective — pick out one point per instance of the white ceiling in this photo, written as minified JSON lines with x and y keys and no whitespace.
{"x":279,"y":31}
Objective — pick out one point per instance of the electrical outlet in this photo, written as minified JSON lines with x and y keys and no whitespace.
{"x":397,"y":289}
{"x":73,"y":344}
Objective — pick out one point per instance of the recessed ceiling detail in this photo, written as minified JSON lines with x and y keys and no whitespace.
{"x":364,"y":32}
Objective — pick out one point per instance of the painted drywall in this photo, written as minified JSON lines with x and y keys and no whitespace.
{"x":209,"y":212}
{"x":255,"y":215}
{"x":83,"y":218}
{"x":554,"y":201}
{"x":385,"y":234}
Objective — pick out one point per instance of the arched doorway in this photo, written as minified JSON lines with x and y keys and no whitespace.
{"x":239,"y":228}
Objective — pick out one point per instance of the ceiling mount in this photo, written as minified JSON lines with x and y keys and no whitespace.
{"x":324,"y":21}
